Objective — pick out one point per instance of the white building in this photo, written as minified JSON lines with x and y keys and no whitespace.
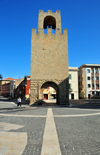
{"x":73,"y":83}
{"x":89,"y":80}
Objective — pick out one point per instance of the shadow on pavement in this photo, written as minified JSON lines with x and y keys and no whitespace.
{"x":86,"y":104}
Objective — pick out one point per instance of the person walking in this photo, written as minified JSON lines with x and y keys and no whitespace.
{"x":19,"y":102}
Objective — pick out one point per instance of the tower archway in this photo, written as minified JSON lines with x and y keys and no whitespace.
{"x":48,"y":85}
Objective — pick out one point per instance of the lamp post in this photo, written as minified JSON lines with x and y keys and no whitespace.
{"x":1,"y":84}
{"x":95,"y":92}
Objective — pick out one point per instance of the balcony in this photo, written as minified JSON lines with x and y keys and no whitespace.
{"x":97,"y":81}
{"x":96,"y":74}
{"x":80,"y":79}
{"x":92,"y":74}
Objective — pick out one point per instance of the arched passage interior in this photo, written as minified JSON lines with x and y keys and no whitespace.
{"x":45,"y":86}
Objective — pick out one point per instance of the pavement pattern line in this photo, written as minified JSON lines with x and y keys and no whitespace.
{"x":75,"y":115}
{"x":83,"y":109}
{"x":23,"y":115}
{"x":50,"y":144}
{"x":79,"y":115}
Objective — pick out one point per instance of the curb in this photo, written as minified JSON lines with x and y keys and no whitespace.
{"x":19,"y":108}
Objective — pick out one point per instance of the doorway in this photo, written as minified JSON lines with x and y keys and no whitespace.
{"x":72,"y":96}
{"x":89,"y":96}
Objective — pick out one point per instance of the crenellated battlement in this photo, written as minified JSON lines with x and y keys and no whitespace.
{"x":65,"y":31}
{"x":58,"y":11}
{"x":49,"y":32}
{"x":33,"y":31}
{"x":40,"y":11}
{"x":49,"y":11}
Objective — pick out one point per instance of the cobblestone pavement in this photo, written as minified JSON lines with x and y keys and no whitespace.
{"x":78,"y":130}
{"x":78,"y":135}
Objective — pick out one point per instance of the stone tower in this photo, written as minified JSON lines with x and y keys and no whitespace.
{"x":49,"y":58}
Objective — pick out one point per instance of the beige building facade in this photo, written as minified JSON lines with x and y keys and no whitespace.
{"x":73,"y":83}
{"x":49,"y":58}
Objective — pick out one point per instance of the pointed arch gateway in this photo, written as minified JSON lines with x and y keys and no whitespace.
{"x":50,"y":84}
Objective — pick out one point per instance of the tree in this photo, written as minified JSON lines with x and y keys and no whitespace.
{"x":1,"y":77}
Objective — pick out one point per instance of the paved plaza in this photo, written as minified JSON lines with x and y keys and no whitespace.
{"x":49,"y":130}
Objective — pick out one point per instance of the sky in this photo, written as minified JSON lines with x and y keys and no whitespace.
{"x":18,"y":17}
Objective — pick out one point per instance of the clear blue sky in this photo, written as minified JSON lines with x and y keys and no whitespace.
{"x":18,"y":17}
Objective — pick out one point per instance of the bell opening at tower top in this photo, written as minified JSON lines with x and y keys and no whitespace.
{"x":49,"y":22}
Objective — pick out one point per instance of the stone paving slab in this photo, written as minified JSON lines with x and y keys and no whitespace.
{"x":8,"y":126}
{"x":11,"y":142}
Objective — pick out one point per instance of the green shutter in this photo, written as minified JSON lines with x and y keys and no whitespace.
{"x":69,"y":86}
{"x":69,"y":76}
